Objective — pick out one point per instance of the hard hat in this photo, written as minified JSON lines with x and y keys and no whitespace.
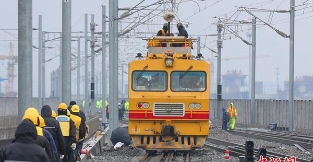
{"x":32,"y":117}
{"x":231,"y":104}
{"x":75,"y":108}
{"x":62,"y":106}
{"x":54,"y":115}
{"x":41,"y":122}
{"x":31,"y":110}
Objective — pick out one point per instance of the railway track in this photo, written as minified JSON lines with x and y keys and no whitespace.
{"x":289,"y":139}
{"x":162,"y":156}
{"x":239,"y":149}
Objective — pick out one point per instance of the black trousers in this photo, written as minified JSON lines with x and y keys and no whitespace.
{"x":69,"y":157}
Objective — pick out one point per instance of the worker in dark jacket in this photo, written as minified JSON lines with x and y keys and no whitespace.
{"x":49,"y":137}
{"x":23,"y":147}
{"x":225,"y":119}
{"x":41,"y":140}
{"x":68,"y":130}
{"x":53,"y":126}
{"x":182,"y":31}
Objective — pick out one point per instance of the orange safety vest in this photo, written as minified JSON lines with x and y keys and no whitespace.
{"x":232,"y":112}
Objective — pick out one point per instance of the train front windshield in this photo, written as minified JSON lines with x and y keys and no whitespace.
{"x":149,"y":80}
{"x":188,"y":81}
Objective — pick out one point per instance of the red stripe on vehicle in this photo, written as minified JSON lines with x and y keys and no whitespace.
{"x":150,"y":116}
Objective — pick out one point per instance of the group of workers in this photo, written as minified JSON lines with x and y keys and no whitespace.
{"x":123,"y":106}
{"x":49,"y":136}
{"x":181,"y":32}
{"x":229,"y":116}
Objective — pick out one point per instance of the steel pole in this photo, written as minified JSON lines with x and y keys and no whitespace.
{"x":60,"y":72}
{"x":104,"y":71}
{"x":43,"y":80}
{"x":252,"y":111}
{"x":92,"y":83}
{"x":219,"y":62}
{"x":40,"y":63}
{"x":25,"y":46}
{"x":113,"y":64}
{"x":198,"y":46}
{"x":86,"y":63}
{"x":122,"y":80}
{"x":291,"y":65}
{"x":78,"y":70}
{"x":66,"y":51}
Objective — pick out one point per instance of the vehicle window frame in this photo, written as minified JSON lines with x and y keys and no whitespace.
{"x":166,"y":79}
{"x":205,"y":81}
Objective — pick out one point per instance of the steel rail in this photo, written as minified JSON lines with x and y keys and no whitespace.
{"x":236,"y":149}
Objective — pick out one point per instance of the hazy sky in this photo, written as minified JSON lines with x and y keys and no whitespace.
{"x":199,"y":16}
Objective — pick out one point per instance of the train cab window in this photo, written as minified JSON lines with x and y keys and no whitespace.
{"x":143,"y":80}
{"x":194,"y":81}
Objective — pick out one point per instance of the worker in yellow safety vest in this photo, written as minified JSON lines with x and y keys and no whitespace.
{"x":80,"y":134}
{"x":232,"y":113}
{"x":68,"y":130}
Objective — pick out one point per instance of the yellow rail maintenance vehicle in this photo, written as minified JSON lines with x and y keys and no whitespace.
{"x":169,"y":96}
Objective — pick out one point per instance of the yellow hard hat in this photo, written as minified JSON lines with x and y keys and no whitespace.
{"x":62,"y":106}
{"x":32,"y":117}
{"x":231,"y":104}
{"x":41,"y":122}
{"x":54,"y":115}
{"x":31,"y":110}
{"x":75,"y":108}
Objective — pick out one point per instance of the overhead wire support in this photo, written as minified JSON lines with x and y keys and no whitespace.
{"x":276,"y":30}
{"x":235,"y":33}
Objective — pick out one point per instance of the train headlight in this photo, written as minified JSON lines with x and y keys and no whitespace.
{"x":197,"y":106}
{"x":169,"y":62}
{"x":191,"y":106}
{"x":145,"y":105}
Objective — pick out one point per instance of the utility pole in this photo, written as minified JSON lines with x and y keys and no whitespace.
{"x":104,"y":64}
{"x":40,"y":63}
{"x":43,"y":81}
{"x":78,"y":70}
{"x":198,"y":46}
{"x":291,"y":65}
{"x":250,"y":57}
{"x":252,"y":111}
{"x":122,"y":80}
{"x":60,"y":72}
{"x":66,"y":51}
{"x":25,"y":45}
{"x":277,"y":82}
{"x":86,"y":63}
{"x":113,"y":64}
{"x":219,"y":62}
{"x":92,"y":46}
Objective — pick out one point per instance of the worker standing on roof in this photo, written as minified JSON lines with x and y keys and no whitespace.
{"x":182,"y":31}
{"x":163,"y":30}
{"x":68,"y":131}
{"x":232,"y":113}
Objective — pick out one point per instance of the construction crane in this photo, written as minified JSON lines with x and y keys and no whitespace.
{"x":12,"y":61}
